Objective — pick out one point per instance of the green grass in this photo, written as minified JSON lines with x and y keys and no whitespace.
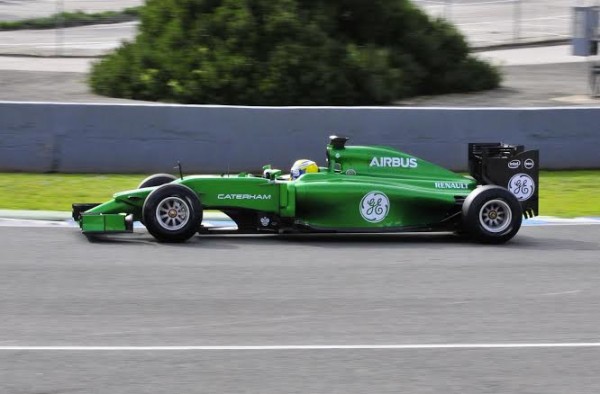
{"x":562,"y":193}
{"x":570,"y":193}
{"x":72,"y":19}
{"x":56,"y":192}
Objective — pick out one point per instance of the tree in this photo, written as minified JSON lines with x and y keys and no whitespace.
{"x":290,"y":52}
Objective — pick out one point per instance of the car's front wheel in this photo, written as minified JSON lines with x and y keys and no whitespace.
{"x":172,"y":213}
{"x":491,"y":214}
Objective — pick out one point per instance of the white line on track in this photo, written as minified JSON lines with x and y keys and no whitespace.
{"x":312,"y":347}
{"x":562,"y":293}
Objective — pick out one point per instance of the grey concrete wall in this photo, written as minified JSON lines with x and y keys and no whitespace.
{"x":43,"y":137}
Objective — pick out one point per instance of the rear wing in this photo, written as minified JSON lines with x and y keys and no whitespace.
{"x":509,"y":166}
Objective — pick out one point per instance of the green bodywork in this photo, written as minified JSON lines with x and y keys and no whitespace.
{"x":361,"y":189}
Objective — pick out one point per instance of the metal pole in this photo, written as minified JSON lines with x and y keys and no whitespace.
{"x":517,"y":21}
{"x":60,"y":7}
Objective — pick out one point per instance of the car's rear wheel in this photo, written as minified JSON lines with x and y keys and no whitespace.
{"x":491,"y":214}
{"x":157,"y":180}
{"x":172,"y":213}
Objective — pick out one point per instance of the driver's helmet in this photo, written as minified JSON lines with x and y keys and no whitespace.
{"x":303,"y":166}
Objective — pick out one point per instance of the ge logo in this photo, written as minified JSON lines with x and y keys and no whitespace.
{"x":522,"y":186}
{"x":374,"y":207}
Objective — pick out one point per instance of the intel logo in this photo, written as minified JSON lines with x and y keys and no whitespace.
{"x":514,"y":164}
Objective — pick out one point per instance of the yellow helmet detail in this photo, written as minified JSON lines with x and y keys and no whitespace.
{"x":303,"y":166}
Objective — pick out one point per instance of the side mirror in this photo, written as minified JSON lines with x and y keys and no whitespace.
{"x":271,"y":174}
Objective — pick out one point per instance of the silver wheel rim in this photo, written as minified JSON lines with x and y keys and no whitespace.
{"x":495,"y":216}
{"x":172,"y":213}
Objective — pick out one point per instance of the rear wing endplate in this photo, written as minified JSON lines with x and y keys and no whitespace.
{"x":509,"y":166}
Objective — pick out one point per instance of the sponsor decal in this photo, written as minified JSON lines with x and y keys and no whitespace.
{"x":374,"y":206}
{"x":451,"y":185}
{"x":522,"y":186}
{"x":244,"y":196}
{"x":529,"y":164}
{"x":396,"y":162}
{"x":265,"y":221}
{"x":514,"y":164}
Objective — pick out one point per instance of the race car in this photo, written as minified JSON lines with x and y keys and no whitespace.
{"x":363,"y":189}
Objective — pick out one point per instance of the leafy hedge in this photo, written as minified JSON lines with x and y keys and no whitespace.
{"x":289,"y":52}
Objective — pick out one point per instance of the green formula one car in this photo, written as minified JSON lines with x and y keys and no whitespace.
{"x":362,"y":189}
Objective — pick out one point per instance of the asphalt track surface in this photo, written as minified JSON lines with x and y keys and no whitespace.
{"x":370,"y":314}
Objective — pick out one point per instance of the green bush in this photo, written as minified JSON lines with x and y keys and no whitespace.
{"x":289,"y":52}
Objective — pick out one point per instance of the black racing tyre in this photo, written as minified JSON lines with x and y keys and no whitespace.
{"x":157,"y":180}
{"x":172,"y":213}
{"x":491,"y":214}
